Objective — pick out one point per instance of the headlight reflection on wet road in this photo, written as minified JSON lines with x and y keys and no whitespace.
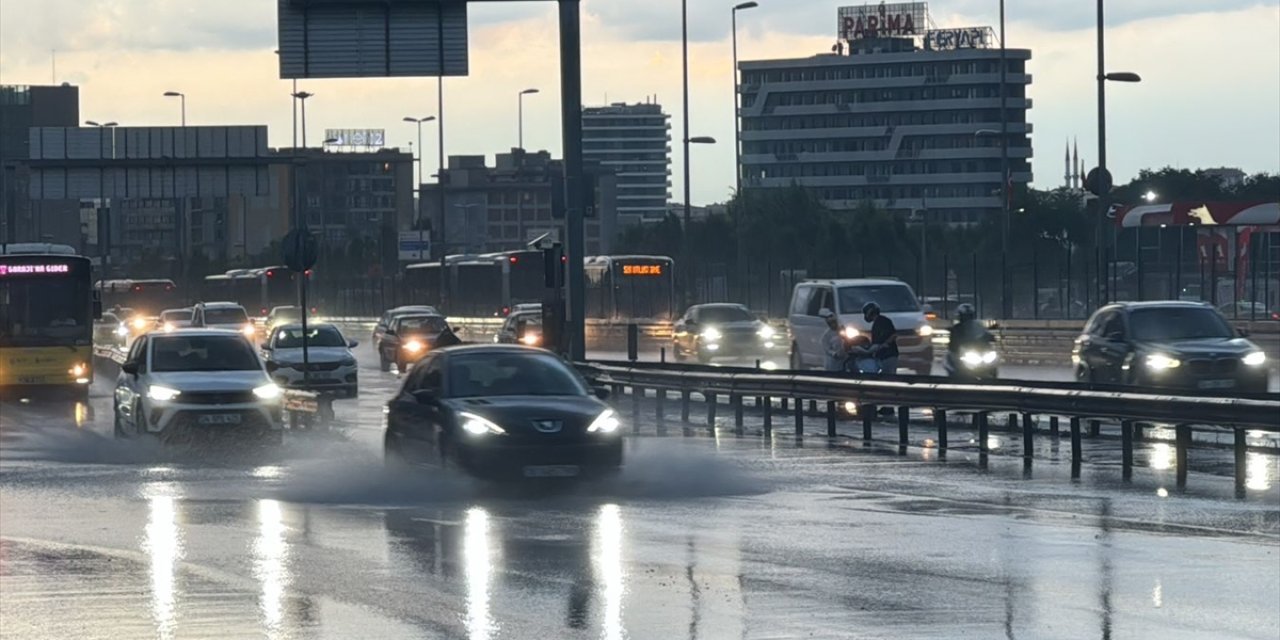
{"x":270,"y":564}
{"x":162,"y":543}
{"x":479,"y":565}
{"x":609,"y":569}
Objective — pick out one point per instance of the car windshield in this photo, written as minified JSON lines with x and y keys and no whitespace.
{"x":202,"y":353}
{"x":716,"y":315}
{"x":511,"y":374}
{"x":422,"y":324}
{"x":176,"y":316}
{"x":291,"y":338}
{"x":1191,"y":323}
{"x":892,"y":298}
{"x":286,"y":314}
{"x":230,"y":315}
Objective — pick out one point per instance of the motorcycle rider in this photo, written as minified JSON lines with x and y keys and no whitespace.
{"x":966,"y":333}
{"x":884,"y":338}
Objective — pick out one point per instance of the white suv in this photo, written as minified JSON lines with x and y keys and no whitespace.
{"x":846,"y":298}
{"x":191,"y":382}
{"x":223,"y":315}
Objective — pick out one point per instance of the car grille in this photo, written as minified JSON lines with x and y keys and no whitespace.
{"x":1218,"y":367}
{"x":217,"y":397}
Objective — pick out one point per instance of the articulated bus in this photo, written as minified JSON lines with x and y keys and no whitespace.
{"x":147,"y":297}
{"x":257,"y":290}
{"x":630,"y":288}
{"x":485,"y":285}
{"x":47,"y":309}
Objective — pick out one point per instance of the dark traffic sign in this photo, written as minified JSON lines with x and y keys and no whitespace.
{"x":1098,"y":181}
{"x":299,"y":250}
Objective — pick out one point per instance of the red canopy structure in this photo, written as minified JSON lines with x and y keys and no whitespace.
{"x":1199,"y":213}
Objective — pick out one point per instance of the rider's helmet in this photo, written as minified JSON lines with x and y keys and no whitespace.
{"x":870,"y":310}
{"x":966,"y":312}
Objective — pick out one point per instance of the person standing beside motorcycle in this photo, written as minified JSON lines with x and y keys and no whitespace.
{"x":884,"y":338}
{"x":834,"y":350}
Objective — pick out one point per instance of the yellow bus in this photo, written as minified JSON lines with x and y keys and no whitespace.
{"x":47,"y":309}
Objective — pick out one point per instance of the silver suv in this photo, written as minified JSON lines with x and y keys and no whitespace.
{"x":846,"y":297}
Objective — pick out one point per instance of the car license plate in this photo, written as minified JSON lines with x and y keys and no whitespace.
{"x":551,"y":471}
{"x":1217,"y":384}
{"x":220,"y":418}
{"x":31,"y":380}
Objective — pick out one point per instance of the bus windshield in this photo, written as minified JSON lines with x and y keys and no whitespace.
{"x":44,"y":310}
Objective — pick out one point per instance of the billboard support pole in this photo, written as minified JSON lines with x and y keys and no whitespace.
{"x":571,"y":126}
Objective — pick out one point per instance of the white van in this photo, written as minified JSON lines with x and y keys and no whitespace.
{"x":846,"y":297}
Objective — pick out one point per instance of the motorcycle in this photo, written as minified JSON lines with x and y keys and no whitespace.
{"x":973,"y":363}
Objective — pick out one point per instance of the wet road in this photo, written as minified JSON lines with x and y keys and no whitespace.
{"x":712,"y":536}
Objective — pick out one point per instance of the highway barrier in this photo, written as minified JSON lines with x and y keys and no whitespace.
{"x":1133,"y":410}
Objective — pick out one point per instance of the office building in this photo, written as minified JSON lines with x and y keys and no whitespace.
{"x":21,"y":218}
{"x":508,"y":205}
{"x":634,"y":142}
{"x":901,"y":115}
{"x":355,"y":197}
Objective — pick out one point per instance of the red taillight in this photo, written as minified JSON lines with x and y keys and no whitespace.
{"x":307,"y":272}
{"x":137,"y":288}
{"x":264,"y":311}
{"x":313,"y":310}
{"x":271,"y":274}
{"x":514,"y":259}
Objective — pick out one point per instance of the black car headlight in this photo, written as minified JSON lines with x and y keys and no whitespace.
{"x":479,"y":425}
{"x":606,"y":422}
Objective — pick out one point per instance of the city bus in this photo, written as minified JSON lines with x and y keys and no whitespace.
{"x":480,"y":286}
{"x":47,"y":309}
{"x":630,"y":287}
{"x":147,"y":297}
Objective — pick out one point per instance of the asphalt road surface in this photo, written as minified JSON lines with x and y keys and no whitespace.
{"x":708,"y":536}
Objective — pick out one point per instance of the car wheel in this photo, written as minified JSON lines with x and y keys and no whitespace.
{"x":384,"y":365}
{"x":1084,"y":374}
{"x":704,"y":357}
{"x":676,"y":352}
{"x":402,"y":366}
{"x":118,"y":427}
{"x":392,"y":457}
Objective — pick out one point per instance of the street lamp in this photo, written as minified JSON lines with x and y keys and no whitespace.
{"x":183,"y":97}
{"x":302,"y":97}
{"x":520,"y":117}
{"x":418,"y":190}
{"x":737,"y":135}
{"x":104,"y":223}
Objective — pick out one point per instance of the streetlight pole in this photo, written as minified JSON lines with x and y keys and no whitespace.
{"x":1006,"y":179}
{"x":418,"y":189}
{"x":684,"y":49}
{"x":302,"y":97}
{"x":737,"y":135}
{"x":520,"y":116}
{"x":1103,"y":185}
{"x":104,"y":222}
{"x":183,"y":97}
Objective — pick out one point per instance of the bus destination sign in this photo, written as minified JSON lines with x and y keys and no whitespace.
{"x":641,"y":269}
{"x":33,"y":269}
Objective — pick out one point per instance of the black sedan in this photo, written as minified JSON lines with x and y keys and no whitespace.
{"x":407,"y":339}
{"x":502,"y":412}
{"x":1168,"y":344}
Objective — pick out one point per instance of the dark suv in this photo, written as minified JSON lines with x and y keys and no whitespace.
{"x":1180,"y":345}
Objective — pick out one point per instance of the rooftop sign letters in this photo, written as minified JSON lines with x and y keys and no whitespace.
{"x":883,"y":20}
{"x":959,"y":38}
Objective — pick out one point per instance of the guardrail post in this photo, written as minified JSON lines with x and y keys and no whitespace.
{"x":813,"y":406}
{"x":1053,"y":426}
{"x":980,"y":421}
{"x":737,"y":414}
{"x":1012,"y":425}
{"x":904,"y":421}
{"x":1182,"y":441}
{"x":662,"y":355}
{"x":1126,"y":449}
{"x":868,"y":417}
{"x":1242,"y":467}
{"x":711,"y":410}
{"x":1028,"y":435}
{"x":940,"y":421}
{"x":660,"y":409}
{"x":799,"y":411}
{"x":633,"y":342}
{"x":1095,"y":428}
{"x":636,"y":394}
{"x":768,"y":416}
{"x":1077,"y":456}
{"x":831,"y":418}
{"x":684,"y":406}
{"x":1138,"y":435}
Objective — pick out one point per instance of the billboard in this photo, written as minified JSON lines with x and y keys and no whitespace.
{"x":415,"y":246}
{"x":356,"y":137}
{"x":371,"y":38}
{"x":959,"y":38}
{"x":883,"y":20}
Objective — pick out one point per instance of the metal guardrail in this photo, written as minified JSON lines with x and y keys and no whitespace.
{"x":1133,"y":410}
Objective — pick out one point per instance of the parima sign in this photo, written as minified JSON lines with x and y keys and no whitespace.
{"x":883,"y":20}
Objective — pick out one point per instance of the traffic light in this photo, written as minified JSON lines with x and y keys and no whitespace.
{"x":553,"y":262}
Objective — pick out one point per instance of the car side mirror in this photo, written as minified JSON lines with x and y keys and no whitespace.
{"x":351,"y":344}
{"x":389,"y":332}
{"x":424,"y":396}
{"x":130,"y":368}
{"x":690,"y":323}
{"x":1244,"y":333}
{"x":1115,"y":336}
{"x":601,"y":392}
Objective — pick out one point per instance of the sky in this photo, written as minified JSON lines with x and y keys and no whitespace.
{"x":1210,"y":94}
